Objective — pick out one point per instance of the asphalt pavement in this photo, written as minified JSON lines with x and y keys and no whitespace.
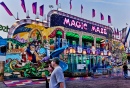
{"x":116,"y":82}
{"x":100,"y":83}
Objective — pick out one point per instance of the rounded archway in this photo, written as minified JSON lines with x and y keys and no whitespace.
{"x":22,"y":25}
{"x":35,"y":35}
{"x":59,"y":33}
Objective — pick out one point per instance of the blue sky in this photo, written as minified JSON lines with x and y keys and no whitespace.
{"x":117,"y":9}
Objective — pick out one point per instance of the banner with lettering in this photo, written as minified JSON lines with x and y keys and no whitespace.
{"x":59,"y":20}
{"x":4,"y":28}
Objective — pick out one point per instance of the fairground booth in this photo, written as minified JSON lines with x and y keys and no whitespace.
{"x":82,"y":45}
{"x":88,"y":41}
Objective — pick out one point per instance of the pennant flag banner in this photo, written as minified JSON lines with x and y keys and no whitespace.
{"x":56,"y":2}
{"x":81,"y":9}
{"x":114,"y":33}
{"x":124,"y":32}
{"x":126,"y":36}
{"x":102,"y":17}
{"x":34,"y":7}
{"x":120,"y":34}
{"x":129,"y":43}
{"x":117,"y":31}
{"x":70,"y":5}
{"x":93,"y":13}
{"x":42,"y":10}
{"x":109,"y":19}
{"x":6,"y":8}
{"x":23,"y":5}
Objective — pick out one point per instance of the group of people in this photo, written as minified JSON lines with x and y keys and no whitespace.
{"x":124,"y":69}
{"x":110,"y":69}
{"x":57,"y":77}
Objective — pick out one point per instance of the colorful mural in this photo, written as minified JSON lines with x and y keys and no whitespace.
{"x":29,"y":49}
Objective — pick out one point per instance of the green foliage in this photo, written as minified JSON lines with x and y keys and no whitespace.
{"x":46,"y":72}
{"x":124,"y":56}
{"x":30,"y":39}
{"x":44,"y":41}
{"x":51,"y":41}
{"x":30,"y":70}
{"x":1,"y":74}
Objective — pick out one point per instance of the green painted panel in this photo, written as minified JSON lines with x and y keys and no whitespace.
{"x":99,"y":39}
{"x":59,"y":33}
{"x":71,"y":34}
{"x":87,"y":37}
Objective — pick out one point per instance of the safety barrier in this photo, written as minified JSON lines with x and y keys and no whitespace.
{"x":102,"y":71}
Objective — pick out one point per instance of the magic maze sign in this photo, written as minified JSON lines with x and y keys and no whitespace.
{"x":59,"y":20}
{"x":4,"y":28}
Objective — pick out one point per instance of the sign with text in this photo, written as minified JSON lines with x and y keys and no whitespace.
{"x":4,"y":28}
{"x":59,"y":20}
{"x":81,"y":66}
{"x":105,"y":52}
{"x":79,"y":49}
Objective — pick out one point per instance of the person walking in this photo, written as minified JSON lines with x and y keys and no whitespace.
{"x":57,"y":77}
{"x":125,"y":70}
{"x":50,"y":69}
{"x":109,"y":68}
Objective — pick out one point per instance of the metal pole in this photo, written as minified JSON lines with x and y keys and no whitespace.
{"x":90,"y":62}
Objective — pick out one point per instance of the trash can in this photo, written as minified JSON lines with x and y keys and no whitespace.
{"x":2,"y":63}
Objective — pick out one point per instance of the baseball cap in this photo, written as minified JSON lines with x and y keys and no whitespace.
{"x":55,"y":59}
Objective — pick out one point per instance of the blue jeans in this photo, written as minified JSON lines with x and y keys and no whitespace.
{"x":125,"y":74}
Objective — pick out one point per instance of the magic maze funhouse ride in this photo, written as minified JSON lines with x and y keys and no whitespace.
{"x":81,"y":45}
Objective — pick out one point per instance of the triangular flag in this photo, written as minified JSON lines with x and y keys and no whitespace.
{"x":6,"y":8}
{"x":34,"y":7}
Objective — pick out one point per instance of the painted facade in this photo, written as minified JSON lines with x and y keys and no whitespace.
{"x":28,"y":49}
{"x":32,"y":43}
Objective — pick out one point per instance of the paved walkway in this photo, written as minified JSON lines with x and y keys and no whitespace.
{"x":105,"y":82}
{"x":2,"y":85}
{"x":117,"y":82}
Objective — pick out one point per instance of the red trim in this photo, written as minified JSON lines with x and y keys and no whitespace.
{"x":53,"y":34}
